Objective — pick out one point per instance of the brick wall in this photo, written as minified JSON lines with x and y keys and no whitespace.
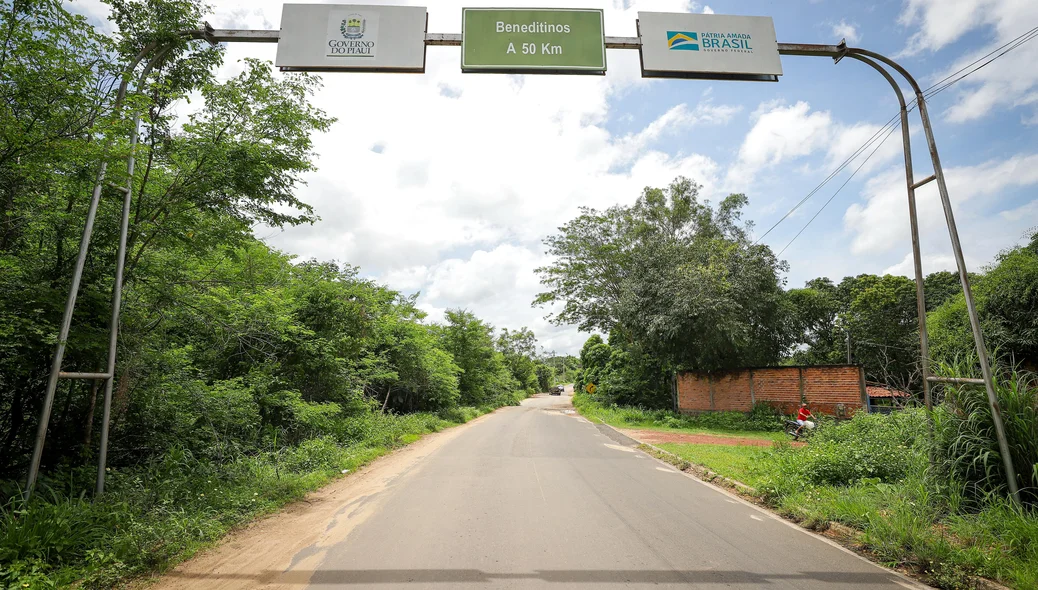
{"x":693,"y":393}
{"x":779,"y":387}
{"x":731,"y":392}
{"x":826,"y":387}
{"x":783,"y":387}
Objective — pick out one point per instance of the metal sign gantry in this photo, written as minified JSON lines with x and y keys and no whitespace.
{"x":214,"y":36}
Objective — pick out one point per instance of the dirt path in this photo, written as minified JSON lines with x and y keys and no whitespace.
{"x":656,"y":437}
{"x":260,"y":554}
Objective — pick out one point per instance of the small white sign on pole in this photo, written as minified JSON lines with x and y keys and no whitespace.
{"x":352,"y":37}
{"x":708,"y":46}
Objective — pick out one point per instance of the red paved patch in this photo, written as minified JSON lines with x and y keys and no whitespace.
{"x":656,"y":436}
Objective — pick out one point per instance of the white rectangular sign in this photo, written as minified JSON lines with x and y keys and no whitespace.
{"x":353,"y":37}
{"x":708,"y":46}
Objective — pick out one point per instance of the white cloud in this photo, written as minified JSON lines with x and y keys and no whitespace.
{"x":881,"y":224}
{"x":783,"y":133}
{"x":678,"y":118}
{"x":708,"y":10}
{"x":845,"y":30}
{"x":780,"y":133}
{"x":496,"y":284}
{"x":931,"y":264}
{"x":1006,"y":82}
{"x":848,"y":139}
{"x":1027,"y":212}
{"x":942,"y":22}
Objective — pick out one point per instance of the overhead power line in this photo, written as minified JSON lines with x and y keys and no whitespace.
{"x":831,"y":175}
{"x":860,"y":166}
{"x":1010,"y":45}
{"x":933,"y":90}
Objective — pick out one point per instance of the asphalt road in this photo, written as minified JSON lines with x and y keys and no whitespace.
{"x":534,"y":497}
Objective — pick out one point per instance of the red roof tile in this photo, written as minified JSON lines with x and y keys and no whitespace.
{"x":879,"y":391}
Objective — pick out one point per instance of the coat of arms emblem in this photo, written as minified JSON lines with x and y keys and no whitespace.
{"x":353,"y":26}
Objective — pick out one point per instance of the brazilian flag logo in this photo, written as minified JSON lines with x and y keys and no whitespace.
{"x":683,"y":40}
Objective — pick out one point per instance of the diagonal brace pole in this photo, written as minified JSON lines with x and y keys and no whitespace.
{"x":960,"y":262}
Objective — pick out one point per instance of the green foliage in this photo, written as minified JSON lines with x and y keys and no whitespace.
{"x":519,"y":349}
{"x":967,"y":448}
{"x":485,"y":376}
{"x":244,"y":378}
{"x":565,"y":369}
{"x":948,"y":327}
{"x":545,"y":376}
{"x":878,"y":313}
{"x":1009,"y":302}
{"x":940,"y":287}
{"x":814,"y":313}
{"x":678,"y":279}
{"x":1006,"y":296}
{"x":634,"y":378}
{"x":869,"y":446}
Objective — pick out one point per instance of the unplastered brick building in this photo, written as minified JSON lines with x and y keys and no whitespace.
{"x":837,"y":390}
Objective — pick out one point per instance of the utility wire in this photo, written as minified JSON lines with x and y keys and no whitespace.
{"x":869,"y":157}
{"x":933,"y":90}
{"x":1006,"y":47}
{"x":832,"y":175}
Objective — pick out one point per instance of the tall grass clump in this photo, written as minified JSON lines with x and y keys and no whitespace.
{"x":967,"y":447}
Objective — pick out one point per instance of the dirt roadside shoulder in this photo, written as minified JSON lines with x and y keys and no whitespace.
{"x":661,"y":436}
{"x":261,"y":553}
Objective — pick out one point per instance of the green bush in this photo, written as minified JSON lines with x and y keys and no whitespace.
{"x":879,"y":447}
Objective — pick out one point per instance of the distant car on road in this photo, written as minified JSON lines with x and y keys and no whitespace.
{"x":557,"y":390}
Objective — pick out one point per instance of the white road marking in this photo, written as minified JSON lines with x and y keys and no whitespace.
{"x":619,"y":448}
{"x":665,"y":470}
{"x":755,"y":517}
{"x":898,"y":577}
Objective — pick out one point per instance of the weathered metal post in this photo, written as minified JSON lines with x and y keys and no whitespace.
{"x":120,"y":266}
{"x":84,"y":245}
{"x":960,"y":262}
{"x":913,"y":219}
{"x":70,"y":302}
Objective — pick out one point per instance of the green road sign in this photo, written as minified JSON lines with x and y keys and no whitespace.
{"x":547,"y":41}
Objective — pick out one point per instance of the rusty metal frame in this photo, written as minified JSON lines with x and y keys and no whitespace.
{"x":160,"y":52}
{"x":960,"y":262}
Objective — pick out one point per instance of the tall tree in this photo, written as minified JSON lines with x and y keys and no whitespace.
{"x":471,"y":342}
{"x":519,"y":348}
{"x":678,"y":277}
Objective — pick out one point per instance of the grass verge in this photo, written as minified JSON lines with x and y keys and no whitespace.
{"x":761,"y":424}
{"x":904,"y":523}
{"x":733,"y":462}
{"x":155,"y":515}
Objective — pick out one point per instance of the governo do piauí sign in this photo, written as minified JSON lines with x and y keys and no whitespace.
{"x":370,"y":38}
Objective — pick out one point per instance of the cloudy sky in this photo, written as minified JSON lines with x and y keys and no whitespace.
{"x":445,"y":183}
